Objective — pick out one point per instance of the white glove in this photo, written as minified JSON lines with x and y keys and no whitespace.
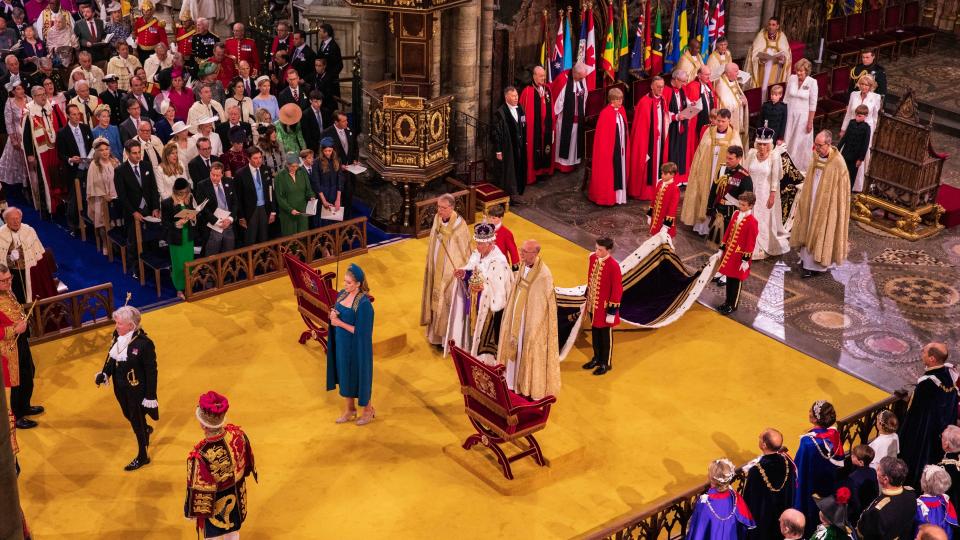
{"x":665,"y":229}
{"x":744,"y":266}
{"x":14,"y":255}
{"x":610,"y":319}
{"x":150,"y":403}
{"x":649,"y":220}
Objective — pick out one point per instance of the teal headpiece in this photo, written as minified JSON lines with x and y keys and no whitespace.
{"x":357,"y":272}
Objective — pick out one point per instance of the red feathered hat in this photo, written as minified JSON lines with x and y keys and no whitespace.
{"x":212,"y":409}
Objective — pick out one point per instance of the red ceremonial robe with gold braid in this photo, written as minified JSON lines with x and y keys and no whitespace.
{"x":182,"y":41}
{"x":508,"y":246}
{"x":604,"y":291}
{"x":539,"y":108}
{"x":703,"y":93}
{"x":738,"y":244}
{"x":11,"y":313}
{"x":648,"y":146}
{"x":664,"y":208}
{"x":243,"y":49}
{"x":217,"y":469}
{"x":148,"y":34}
{"x":610,"y":144}
{"x":40,"y":140}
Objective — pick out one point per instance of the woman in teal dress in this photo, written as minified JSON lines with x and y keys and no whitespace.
{"x":179,"y":232}
{"x":293,"y":192}
{"x":350,"y":347}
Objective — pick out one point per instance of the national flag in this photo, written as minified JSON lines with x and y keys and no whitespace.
{"x":582,"y":43}
{"x":647,"y":37}
{"x":639,"y":52}
{"x":608,"y":61}
{"x":556,"y":59}
{"x":718,"y":23}
{"x":544,"y":46}
{"x":590,"y":52}
{"x":568,"y":54}
{"x":705,"y":30}
{"x":623,"y":42}
{"x":656,"y":55}
{"x":678,"y":36}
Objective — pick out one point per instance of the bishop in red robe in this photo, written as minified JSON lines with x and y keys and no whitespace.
{"x":663,"y":211}
{"x":536,"y":102}
{"x":701,"y":90}
{"x":737,"y":248}
{"x":608,"y":173}
{"x":680,"y":136}
{"x":648,"y":147}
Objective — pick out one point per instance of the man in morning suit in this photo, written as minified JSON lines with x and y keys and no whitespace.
{"x":301,"y":55}
{"x":137,"y":191}
{"x":294,"y":92}
{"x":74,"y":143}
{"x":199,"y":167}
{"x":219,"y":193}
{"x":315,"y":119}
{"x":257,"y":209}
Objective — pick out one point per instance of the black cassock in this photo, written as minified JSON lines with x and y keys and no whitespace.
{"x":678,"y":131}
{"x":509,"y":139}
{"x":768,"y":491}
{"x":933,"y":407}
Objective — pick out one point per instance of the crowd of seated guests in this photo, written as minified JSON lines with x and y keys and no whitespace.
{"x":901,"y":485}
{"x":151,"y":124}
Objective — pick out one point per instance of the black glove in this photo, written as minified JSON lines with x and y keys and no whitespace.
{"x":101,"y":378}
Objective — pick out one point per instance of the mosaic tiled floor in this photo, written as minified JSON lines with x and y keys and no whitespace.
{"x":869,"y":317}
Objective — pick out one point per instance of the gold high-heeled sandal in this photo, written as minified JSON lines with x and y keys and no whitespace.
{"x":364,"y":420}
{"x":348,"y":416}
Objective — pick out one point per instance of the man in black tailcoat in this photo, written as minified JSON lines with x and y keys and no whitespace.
{"x":509,"y":142}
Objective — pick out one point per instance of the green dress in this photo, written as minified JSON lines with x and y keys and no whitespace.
{"x":290,"y":141}
{"x":181,"y":254}
{"x":292,"y":195}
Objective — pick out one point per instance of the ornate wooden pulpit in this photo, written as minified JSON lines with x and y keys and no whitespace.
{"x":900,"y":195}
{"x":408,"y":126}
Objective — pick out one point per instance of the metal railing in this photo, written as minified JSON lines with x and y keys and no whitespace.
{"x":668,"y":519}
{"x":471,"y":147}
{"x":252,"y":264}
{"x":71,"y":313}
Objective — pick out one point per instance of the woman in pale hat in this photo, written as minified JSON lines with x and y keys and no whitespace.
{"x":293,"y":191}
{"x":101,"y":189}
{"x":331,"y":177}
{"x":180,"y":136}
{"x":108,"y":131}
{"x":265,"y":100}
{"x":164,"y":126}
{"x":179,"y":231}
{"x":288,"y":129}
{"x":350,"y":347}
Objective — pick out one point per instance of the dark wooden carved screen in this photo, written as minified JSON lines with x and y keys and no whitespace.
{"x":801,"y":20}
{"x":414,"y":51}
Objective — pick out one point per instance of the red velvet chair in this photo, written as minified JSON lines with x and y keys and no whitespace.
{"x":499,"y":415}
{"x":827,"y":107}
{"x":840,"y":85}
{"x":754,"y":103}
{"x":856,"y":28}
{"x":911,"y":28}
{"x":641,"y":87}
{"x":836,"y":43}
{"x":315,"y":296}
{"x":892,"y":17}
{"x":875,"y":37}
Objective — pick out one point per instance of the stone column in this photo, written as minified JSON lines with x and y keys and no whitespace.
{"x":486,"y":59}
{"x":461,"y":76}
{"x":373,"y":40}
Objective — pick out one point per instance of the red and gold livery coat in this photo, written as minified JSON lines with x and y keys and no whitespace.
{"x":182,"y":39}
{"x":243,"y":49}
{"x":508,"y":246}
{"x":217,"y":468}
{"x":11,"y":313}
{"x":604,"y":290}
{"x":148,"y":34}
{"x":738,"y":244}
{"x":664,"y":208}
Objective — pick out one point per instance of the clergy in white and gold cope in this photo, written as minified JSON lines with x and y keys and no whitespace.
{"x":449,"y":248}
{"x":731,"y":97}
{"x":719,"y":58}
{"x":529,"y":345}
{"x":707,"y":160}
{"x":823,"y":210}
{"x":478,"y":304}
{"x":769,"y":58}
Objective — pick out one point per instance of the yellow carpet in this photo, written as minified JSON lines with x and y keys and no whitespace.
{"x":678,"y":397}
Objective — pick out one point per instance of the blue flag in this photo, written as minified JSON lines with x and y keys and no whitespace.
{"x":676,"y":37}
{"x":705,"y":31}
{"x":569,"y":53}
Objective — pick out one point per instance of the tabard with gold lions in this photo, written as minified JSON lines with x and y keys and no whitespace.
{"x":216,"y":481}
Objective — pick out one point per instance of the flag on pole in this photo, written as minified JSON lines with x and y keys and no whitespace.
{"x":656,"y":46}
{"x":648,"y":37}
{"x":705,"y":30}
{"x":718,"y":24}
{"x":608,"y":62}
{"x":590,"y":52}
{"x":623,"y":42}
{"x":582,"y":43}
{"x":556,"y":58}
{"x":678,"y":36}
{"x":568,"y":52}
{"x":545,"y":46}
{"x":640,"y":51}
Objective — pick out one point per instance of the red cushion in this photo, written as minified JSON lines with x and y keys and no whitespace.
{"x":797,"y":50}
{"x":855,"y":25}
{"x":528,"y":417}
{"x":836,"y":29}
{"x":892,"y":17}
{"x":873,"y":21}
{"x":949,"y":199}
{"x":488,"y":192}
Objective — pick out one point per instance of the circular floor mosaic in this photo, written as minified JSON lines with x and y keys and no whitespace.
{"x":921,"y":292}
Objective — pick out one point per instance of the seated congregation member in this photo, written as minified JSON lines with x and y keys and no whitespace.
{"x":257,"y":208}
{"x":489,"y":284}
{"x":662,"y":214}
{"x":293,"y":192}
{"x":773,"y":113}
{"x":505,"y":241}
{"x":529,"y":347}
{"x":834,"y":517}
{"x":819,"y":458}
{"x":792,"y":522}
{"x":169,"y":170}
{"x":329,"y":179}
{"x":219,"y":193}
{"x":610,"y":165}
{"x":732,"y":181}
{"x":720,"y":513}
{"x":934,"y":506}
{"x":932,"y":408}
{"x":101,"y":189}
{"x":739,"y":241}
{"x":132,"y":364}
{"x":602,"y":306}
{"x":891,"y":514}
{"x":350,"y":347}
{"x":861,"y":481}
{"x":180,"y":232}
{"x":886,"y":443}
{"x":768,"y":489}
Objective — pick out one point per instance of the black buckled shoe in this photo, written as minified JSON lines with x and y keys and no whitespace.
{"x":137,"y":463}
{"x":25,"y":423}
{"x":34,"y":410}
{"x":591,"y":364}
{"x":602,"y":368}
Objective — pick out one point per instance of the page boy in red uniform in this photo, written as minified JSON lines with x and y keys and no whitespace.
{"x":663,"y":211}
{"x":602,"y":308}
{"x":737,"y":248}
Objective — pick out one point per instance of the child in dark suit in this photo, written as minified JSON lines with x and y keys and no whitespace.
{"x":862,"y":481}
{"x":773,"y":113}
{"x":855,"y":142}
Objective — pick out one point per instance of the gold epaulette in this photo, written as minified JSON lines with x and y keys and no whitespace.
{"x":883,"y":502}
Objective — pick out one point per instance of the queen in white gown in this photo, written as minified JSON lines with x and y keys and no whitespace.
{"x":765,"y":168}
{"x":866,"y":96}
{"x":801,"y":100}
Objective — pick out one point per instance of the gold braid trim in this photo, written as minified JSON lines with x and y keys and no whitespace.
{"x":766,"y":480}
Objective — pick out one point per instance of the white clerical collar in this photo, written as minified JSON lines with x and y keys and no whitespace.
{"x":744,"y":214}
